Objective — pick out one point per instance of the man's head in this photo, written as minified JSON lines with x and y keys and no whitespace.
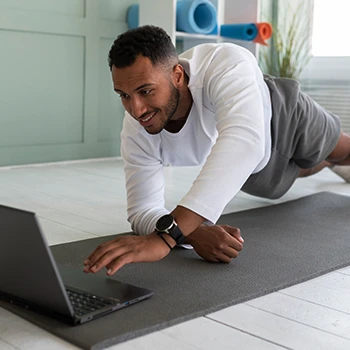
{"x":147,"y":41}
{"x":147,"y":76}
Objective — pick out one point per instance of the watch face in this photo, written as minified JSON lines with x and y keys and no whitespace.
{"x":165,"y":222}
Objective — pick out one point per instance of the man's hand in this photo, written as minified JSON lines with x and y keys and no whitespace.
{"x":125,"y":250}
{"x":218,"y":243}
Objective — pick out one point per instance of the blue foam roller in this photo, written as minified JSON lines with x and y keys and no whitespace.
{"x":192,"y":16}
{"x":132,"y":16}
{"x":195,"y":16}
{"x":247,"y":32}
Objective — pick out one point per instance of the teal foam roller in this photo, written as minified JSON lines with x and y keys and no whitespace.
{"x":247,"y":31}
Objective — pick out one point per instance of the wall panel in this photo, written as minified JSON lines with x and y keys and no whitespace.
{"x":66,"y":7}
{"x":56,"y":96}
{"x":41,"y":95}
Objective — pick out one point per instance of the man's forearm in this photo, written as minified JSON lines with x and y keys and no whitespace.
{"x":187,"y":220}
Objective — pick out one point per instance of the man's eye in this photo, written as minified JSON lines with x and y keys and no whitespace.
{"x":145,"y":92}
{"x":123,"y":96}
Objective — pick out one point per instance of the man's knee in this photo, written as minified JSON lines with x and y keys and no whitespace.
{"x":341,"y":150}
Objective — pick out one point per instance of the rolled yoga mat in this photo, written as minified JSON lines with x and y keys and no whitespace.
{"x":285,"y":244}
{"x":264,"y":33}
{"x":192,"y":16}
{"x":246,"y":31}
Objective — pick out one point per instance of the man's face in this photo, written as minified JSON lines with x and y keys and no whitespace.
{"x":147,"y":93}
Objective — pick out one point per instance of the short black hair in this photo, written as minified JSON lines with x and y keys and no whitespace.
{"x":148,"y":41}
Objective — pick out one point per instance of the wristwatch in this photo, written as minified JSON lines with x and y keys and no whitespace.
{"x":167,"y":225}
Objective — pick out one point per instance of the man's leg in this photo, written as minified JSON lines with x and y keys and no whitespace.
{"x":341,"y":153}
{"x":340,"y":157}
{"x":338,"y":160}
{"x":314,"y":170}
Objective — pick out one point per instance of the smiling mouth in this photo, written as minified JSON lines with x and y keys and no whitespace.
{"x":146,"y":121}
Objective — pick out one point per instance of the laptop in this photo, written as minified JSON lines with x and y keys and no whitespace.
{"x":30,"y":277}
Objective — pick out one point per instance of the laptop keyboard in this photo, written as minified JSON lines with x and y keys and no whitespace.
{"x":84,"y":303}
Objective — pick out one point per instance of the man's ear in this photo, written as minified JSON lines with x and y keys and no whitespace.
{"x":178,"y":74}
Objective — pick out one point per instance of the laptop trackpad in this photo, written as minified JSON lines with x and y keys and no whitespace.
{"x":99,"y":285}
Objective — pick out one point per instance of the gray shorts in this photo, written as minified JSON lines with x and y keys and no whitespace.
{"x":303,"y":134}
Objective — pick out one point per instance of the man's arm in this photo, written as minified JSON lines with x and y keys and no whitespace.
{"x":144,"y":177}
{"x":233,"y":85}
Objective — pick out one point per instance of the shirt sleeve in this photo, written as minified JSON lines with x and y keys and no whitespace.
{"x":144,"y":180}
{"x":231,"y":84}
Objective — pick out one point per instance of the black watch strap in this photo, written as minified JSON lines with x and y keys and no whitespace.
{"x":165,"y":241}
{"x":176,"y":234}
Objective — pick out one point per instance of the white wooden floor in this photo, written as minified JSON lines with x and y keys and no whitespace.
{"x":87,"y":199}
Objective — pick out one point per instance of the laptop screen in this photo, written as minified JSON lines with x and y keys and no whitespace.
{"x":28,"y":270}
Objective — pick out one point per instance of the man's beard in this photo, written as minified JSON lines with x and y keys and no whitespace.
{"x":170,"y":109}
{"x":173,"y":103}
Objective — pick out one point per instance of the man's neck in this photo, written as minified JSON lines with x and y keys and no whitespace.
{"x":176,"y":125}
{"x":185,"y":105}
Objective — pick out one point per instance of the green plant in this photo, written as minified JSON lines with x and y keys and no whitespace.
{"x":290,"y":49}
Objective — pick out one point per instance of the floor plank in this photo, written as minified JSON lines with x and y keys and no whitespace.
{"x":305,"y":312}
{"x":329,"y":291}
{"x":21,"y":334}
{"x":345,"y":271}
{"x":277,"y":329}
{"x":6,"y":346}
{"x":207,"y":334}
{"x":65,"y":217}
{"x":154,"y":341}
{"x":56,"y":233}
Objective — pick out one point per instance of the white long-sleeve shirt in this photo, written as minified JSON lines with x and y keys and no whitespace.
{"x":227,"y":130}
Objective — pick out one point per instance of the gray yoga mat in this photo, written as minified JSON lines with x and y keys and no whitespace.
{"x":285,"y":244}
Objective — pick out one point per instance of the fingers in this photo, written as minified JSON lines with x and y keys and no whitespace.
{"x":218,"y":253}
{"x":97,"y":264}
{"x":228,"y":253}
{"x":217,"y":243}
{"x":220,"y":257}
{"x":234,"y":245}
{"x":118,"y":263}
{"x":103,"y":255}
{"x":234,"y":232}
{"x":97,"y":253}
{"x":124,"y":250}
{"x":231,"y":241}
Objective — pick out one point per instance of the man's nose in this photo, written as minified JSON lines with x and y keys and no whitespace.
{"x":138,"y":108}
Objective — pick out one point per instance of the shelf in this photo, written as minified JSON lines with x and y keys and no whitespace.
{"x":184,"y":35}
{"x":163,"y":14}
{"x":180,"y":36}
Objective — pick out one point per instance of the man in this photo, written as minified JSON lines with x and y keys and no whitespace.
{"x":213,"y":106}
